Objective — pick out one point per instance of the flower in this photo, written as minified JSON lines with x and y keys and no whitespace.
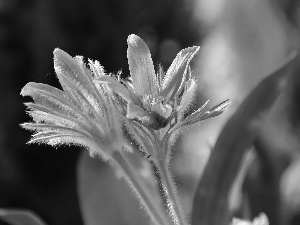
{"x":150,"y":98}
{"x":155,"y":99}
{"x":158,"y":104}
{"x":93,"y":107}
{"x":83,"y":113}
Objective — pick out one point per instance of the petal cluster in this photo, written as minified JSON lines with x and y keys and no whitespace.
{"x":158,"y":104}
{"x":83,"y":113}
{"x":152,"y":98}
{"x":93,"y":107}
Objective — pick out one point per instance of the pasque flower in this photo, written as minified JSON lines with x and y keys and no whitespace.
{"x":156,"y":99}
{"x":94,"y":109}
{"x":158,"y":103}
{"x":83,"y":113}
{"x":158,"y":106}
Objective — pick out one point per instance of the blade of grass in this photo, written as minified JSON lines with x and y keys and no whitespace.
{"x":274,"y":147}
{"x":210,"y":202}
{"x":20,"y":217}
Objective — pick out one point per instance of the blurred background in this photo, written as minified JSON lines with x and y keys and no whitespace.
{"x":241,"y":42}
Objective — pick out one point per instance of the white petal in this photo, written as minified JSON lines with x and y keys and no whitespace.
{"x":115,"y":86}
{"x":176,"y":75}
{"x":141,"y":67}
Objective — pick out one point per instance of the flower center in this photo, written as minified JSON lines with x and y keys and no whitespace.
{"x":164,"y":110}
{"x":158,"y":108}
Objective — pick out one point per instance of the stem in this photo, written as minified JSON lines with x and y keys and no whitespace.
{"x":152,"y":209}
{"x":169,"y":193}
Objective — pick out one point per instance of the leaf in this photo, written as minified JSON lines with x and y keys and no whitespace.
{"x":210,"y":202}
{"x":105,"y":199}
{"x":20,"y":217}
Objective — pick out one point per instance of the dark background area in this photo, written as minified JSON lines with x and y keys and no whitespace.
{"x":41,"y":178}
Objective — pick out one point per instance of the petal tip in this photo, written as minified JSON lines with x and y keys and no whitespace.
{"x":137,"y":43}
{"x":193,"y":50}
{"x":58,"y":52}
{"x":23,"y":91}
{"x":133,"y":40}
{"x":26,"y":89}
{"x":60,"y":57}
{"x":197,"y":49}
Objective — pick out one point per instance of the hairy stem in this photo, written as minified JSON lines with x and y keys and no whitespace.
{"x":151,"y":208}
{"x":169,"y":193}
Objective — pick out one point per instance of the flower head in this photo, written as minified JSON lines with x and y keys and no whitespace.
{"x":93,"y":107}
{"x":83,"y":113}
{"x":156,"y":99}
{"x":158,"y":104}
